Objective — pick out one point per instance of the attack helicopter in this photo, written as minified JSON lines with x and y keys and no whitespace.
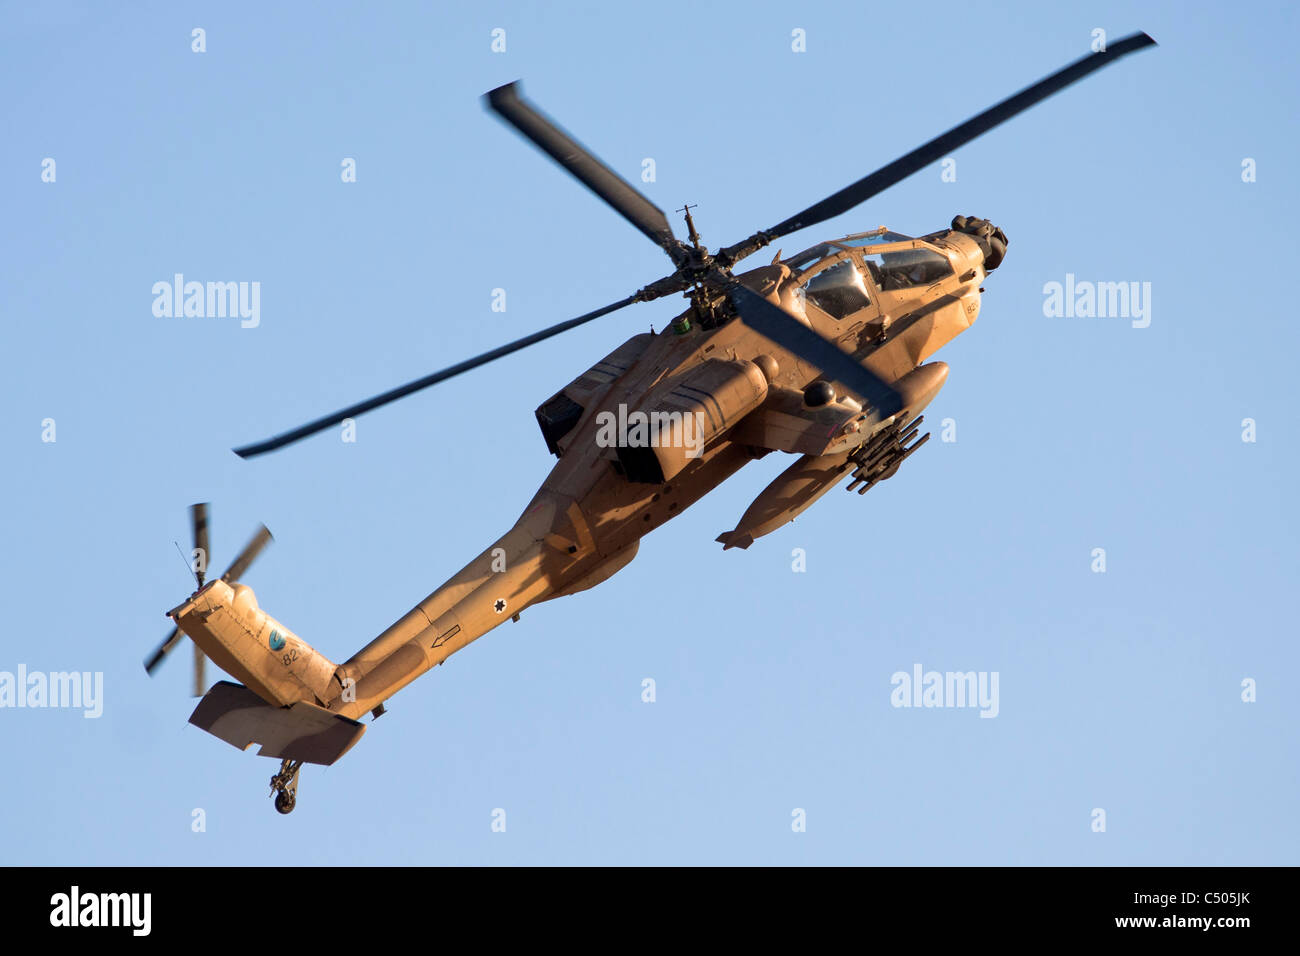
{"x":822,"y":355}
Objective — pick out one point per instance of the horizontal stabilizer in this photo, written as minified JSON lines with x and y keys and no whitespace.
{"x":301,"y":731}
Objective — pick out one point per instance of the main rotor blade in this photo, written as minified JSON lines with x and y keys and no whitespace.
{"x":198,"y":671}
{"x":835,"y":364}
{"x":251,"y":550}
{"x":352,"y":411}
{"x":941,"y":146}
{"x":162,"y":650}
{"x":199,"y":519}
{"x":507,"y":103}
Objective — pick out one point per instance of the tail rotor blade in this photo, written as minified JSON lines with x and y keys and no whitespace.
{"x":256,"y":544}
{"x":199,"y":658}
{"x":246,"y":557}
{"x":162,"y":650}
{"x":199,"y":519}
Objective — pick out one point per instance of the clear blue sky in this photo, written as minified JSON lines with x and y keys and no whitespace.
{"x":1119,"y":691}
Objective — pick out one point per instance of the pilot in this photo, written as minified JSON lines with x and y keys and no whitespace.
{"x":899,"y":278}
{"x":896,"y":279}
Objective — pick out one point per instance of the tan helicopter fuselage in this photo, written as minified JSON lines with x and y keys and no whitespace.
{"x":586,"y":521}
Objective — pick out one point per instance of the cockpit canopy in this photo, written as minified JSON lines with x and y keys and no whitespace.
{"x":909,"y":267}
{"x":857,"y":240}
{"x":869,"y":262}
{"x":839,"y":290}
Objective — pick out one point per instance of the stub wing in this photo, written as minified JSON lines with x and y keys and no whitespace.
{"x":796,"y":488}
{"x":876,"y":451}
{"x":786,"y":423}
{"x":301,"y":731}
{"x":793,"y":490}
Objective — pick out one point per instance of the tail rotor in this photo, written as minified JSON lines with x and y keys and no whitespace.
{"x":199,"y":565}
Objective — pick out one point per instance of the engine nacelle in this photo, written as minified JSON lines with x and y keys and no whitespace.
{"x":560,"y":413}
{"x":672,"y":428}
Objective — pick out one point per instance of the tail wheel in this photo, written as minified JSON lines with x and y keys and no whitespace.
{"x":285,"y":785}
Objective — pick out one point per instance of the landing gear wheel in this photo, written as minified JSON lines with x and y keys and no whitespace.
{"x":285,"y":785}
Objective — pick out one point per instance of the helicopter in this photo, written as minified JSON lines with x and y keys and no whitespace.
{"x":823,"y":354}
